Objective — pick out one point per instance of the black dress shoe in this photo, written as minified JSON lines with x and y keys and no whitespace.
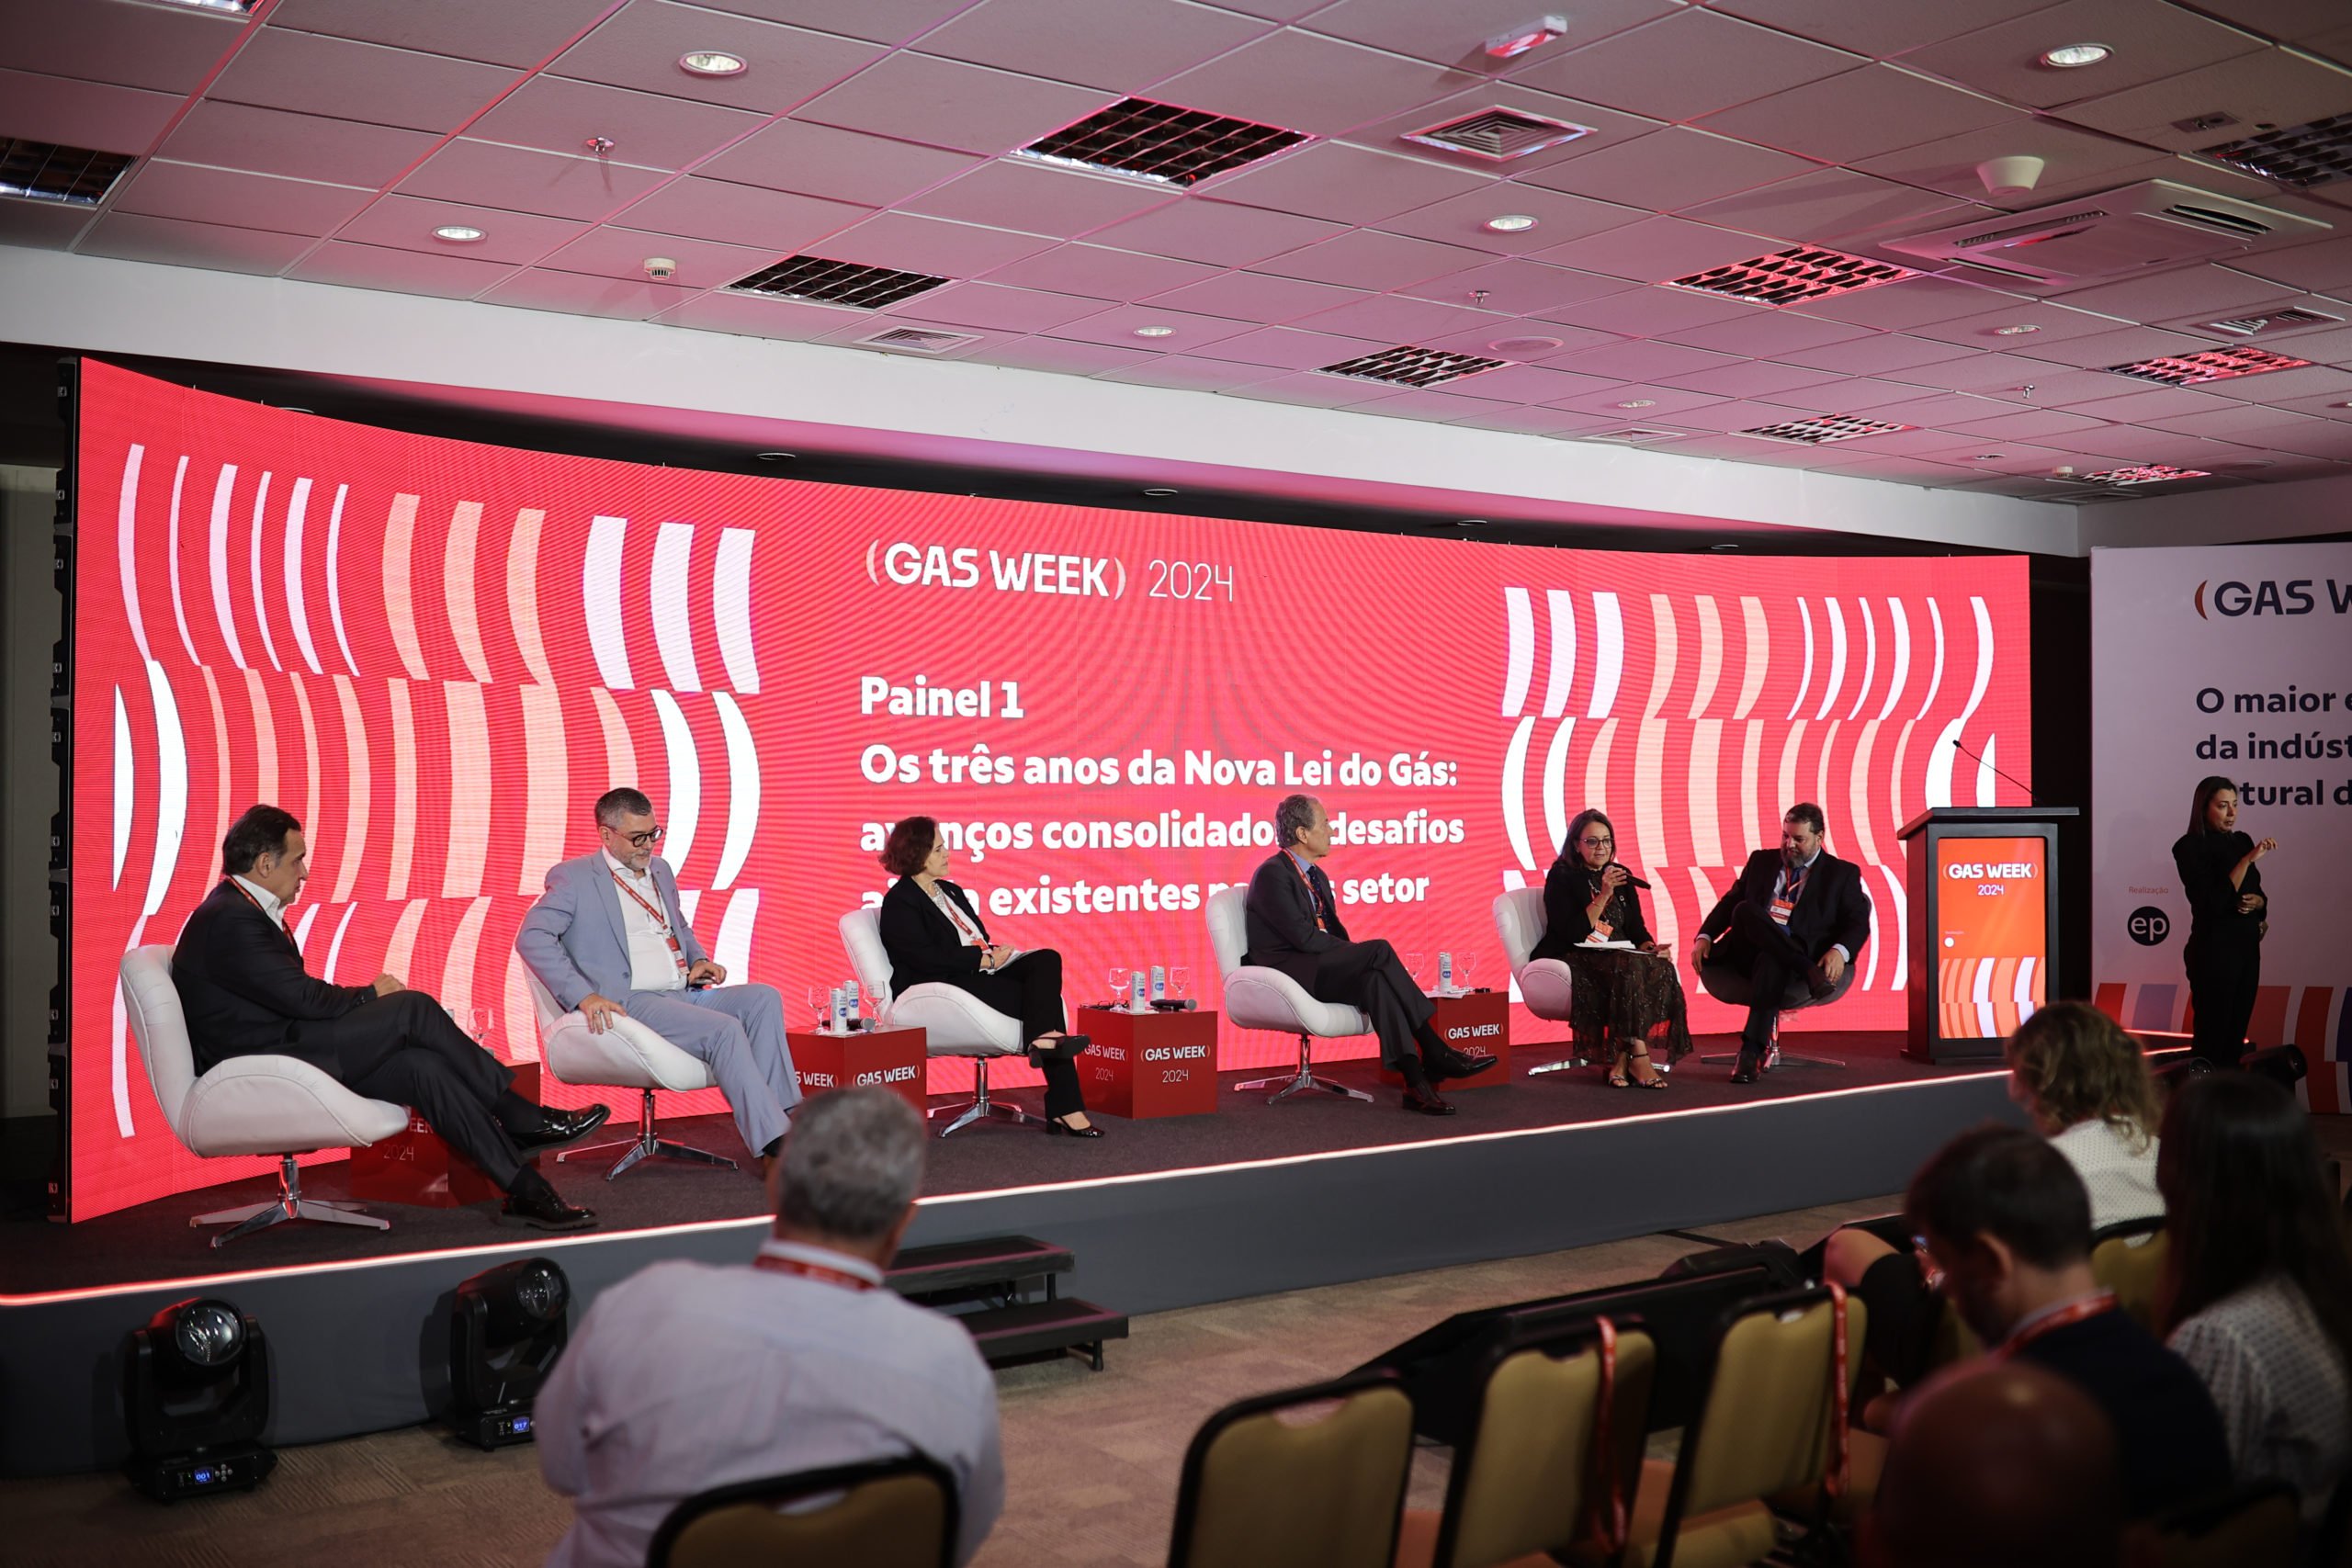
{"x":557,"y":1127}
{"x":1055,"y":1124}
{"x":1748,"y":1070}
{"x":535,"y":1204}
{"x":1449,"y":1063}
{"x":1427,"y":1102}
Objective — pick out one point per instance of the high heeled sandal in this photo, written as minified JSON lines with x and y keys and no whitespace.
{"x":1617,"y":1077}
{"x":1655,"y":1081}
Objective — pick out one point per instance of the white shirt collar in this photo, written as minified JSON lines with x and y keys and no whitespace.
{"x":822,"y":1257}
{"x":620,"y":870}
{"x":2024,"y":1324}
{"x":264,"y":898}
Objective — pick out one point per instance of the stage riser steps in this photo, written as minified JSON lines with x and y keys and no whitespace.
{"x":995,"y":1269}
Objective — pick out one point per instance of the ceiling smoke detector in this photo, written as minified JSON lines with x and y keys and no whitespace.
{"x":1160,"y":142}
{"x":1407,"y":365}
{"x":1498,"y":134}
{"x":2209,"y":364}
{"x":2011,"y":177}
{"x":1536,"y":35}
{"x":1792,"y":277}
{"x":1525,"y":347}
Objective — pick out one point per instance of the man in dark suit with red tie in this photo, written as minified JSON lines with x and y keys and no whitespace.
{"x":1788,"y":929}
{"x":1293,"y":926}
{"x":244,"y":992}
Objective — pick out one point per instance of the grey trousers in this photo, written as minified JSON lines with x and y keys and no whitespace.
{"x":739,"y":1031}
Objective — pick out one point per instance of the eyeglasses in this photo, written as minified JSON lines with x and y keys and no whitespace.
{"x":1597,"y":843}
{"x":651,"y":836}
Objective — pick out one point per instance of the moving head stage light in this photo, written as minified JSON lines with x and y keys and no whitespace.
{"x":195,"y":1397}
{"x":509,"y":1324}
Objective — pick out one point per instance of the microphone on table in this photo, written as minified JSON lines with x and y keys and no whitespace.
{"x":1983,"y":763}
{"x":1628,"y":870}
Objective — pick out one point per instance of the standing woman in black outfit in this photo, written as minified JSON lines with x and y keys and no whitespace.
{"x":2228,"y":915}
{"x":932,"y":932}
{"x":1632,"y":998}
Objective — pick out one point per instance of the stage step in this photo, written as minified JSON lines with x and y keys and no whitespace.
{"x":954,"y":1268}
{"x":1014,"y":1332}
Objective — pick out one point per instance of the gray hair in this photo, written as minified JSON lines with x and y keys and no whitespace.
{"x":852,"y":1164}
{"x":615,"y":804}
{"x":1295,"y":815}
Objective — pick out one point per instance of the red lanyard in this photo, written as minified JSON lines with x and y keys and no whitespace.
{"x":817,"y":1271}
{"x":660,"y":921}
{"x":248,"y":898}
{"x":1609,"y":1491}
{"x":1833,"y":1484}
{"x":964,"y":927}
{"x":2063,"y":1318}
{"x":1314,"y":899}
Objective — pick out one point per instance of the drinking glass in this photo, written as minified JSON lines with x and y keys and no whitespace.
{"x":1121,"y":979}
{"x":479,"y":1022}
{"x":1180,"y":984}
{"x":820,"y":1004}
{"x":1461,"y":972}
{"x":1413,"y":962}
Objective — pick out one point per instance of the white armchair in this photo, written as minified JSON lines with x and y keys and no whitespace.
{"x":1545,"y":984}
{"x":247,"y":1105}
{"x":954,"y":1022}
{"x":1259,"y":998}
{"x":627,"y":1055}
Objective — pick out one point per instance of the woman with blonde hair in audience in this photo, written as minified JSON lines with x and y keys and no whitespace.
{"x":2086,"y":1085}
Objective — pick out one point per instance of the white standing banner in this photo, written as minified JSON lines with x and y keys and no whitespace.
{"x":2237,"y":661}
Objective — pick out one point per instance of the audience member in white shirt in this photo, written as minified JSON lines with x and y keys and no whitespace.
{"x":689,"y":1376}
{"x":2257,"y":1292}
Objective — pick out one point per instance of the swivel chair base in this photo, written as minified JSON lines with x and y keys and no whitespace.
{"x":1303,"y":1081}
{"x":980,"y":1108}
{"x":1774,"y":1058}
{"x":1569,"y":1063}
{"x":648,"y":1146}
{"x":289,"y":1204}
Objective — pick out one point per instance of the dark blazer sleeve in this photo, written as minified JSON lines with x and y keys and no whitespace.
{"x":1637,"y":928}
{"x":1281,"y":913}
{"x":1718,"y":919}
{"x":2204,"y":861}
{"x":1332,"y":925}
{"x":242,"y":952}
{"x":1565,"y":920}
{"x":920,"y":940}
{"x":1849,"y":926}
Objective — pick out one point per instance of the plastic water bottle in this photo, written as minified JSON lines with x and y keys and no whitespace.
{"x":1159,"y":984}
{"x":849,"y":995}
{"x":1446,"y":973}
{"x":839,"y":1012}
{"x":1139,"y":993}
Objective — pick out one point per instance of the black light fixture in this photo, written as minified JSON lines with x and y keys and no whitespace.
{"x":508,"y":1326}
{"x":195,"y":1397}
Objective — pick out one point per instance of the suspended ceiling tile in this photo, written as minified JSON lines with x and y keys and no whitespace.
{"x":640,"y":47}
{"x":2276,"y":86}
{"x":1992,"y":374}
{"x":882,"y":21}
{"x":1559,"y":217}
{"x":1835,"y":396}
{"x":1255,"y":297}
{"x":777,"y":221}
{"x":1058,"y":356}
{"x":1394,"y":318}
{"x":1456,"y":399}
{"x":2151,"y":42}
{"x":1519,"y":287}
{"x":1038,"y":199}
{"x":301,"y":146}
{"x":1745,"y":414}
{"x":2124,"y":345}
{"x":1274,"y":10}
{"x":2219,"y":421}
{"x":1526,"y":384}
{"x":1300,"y":81}
{"x":1290,"y":348}
{"x":995,"y":308}
{"x":1934,"y":410}
{"x":864,"y":336}
{"x":193,"y":192}
{"x":1886,"y":354}
{"x":1657,"y":403}
{"x":1186,"y":374}
{"x":1643,"y":361}
{"x":1913,"y":303}
{"x":579,"y":294}
{"x":2076,"y":163}
{"x":615,"y":251}
{"x":1534,"y":422}
{"x":1658,"y":249}
{"x":1100,"y":272}
{"x":1078,"y":43}
{"x":511,"y":32}
{"x":84,"y":114}
{"x":844,"y":165}
{"x":398,"y":272}
{"x":2150,"y":402}
{"x":1671,"y":169}
{"x":1765,"y":335}
{"x":1816,"y":209}
{"x":1216,"y":233}
{"x":2051,"y":324}
{"x":929,"y":244}
{"x":1687,"y":64}
{"x":1309,"y":391}
{"x":1602,"y":127}
{"x":1456,"y":33}
{"x":1876,"y":26}
{"x":947,"y":104}
{"x":42,"y":225}
{"x":523,"y":180}
{"x":407,"y":222}
{"x":1117,"y":326}
{"x":1861,"y":114}
{"x":1651,"y":311}
{"x":221,"y":248}
{"x":556,"y":115}
{"x":2182,"y":292}
{"x":2325,"y":267}
{"x":1367,"y":258}
{"x":759,"y":315}
{"x":166,"y":48}
{"x":1491,"y":337}
{"x":310,"y":73}
{"x":2335,"y":46}
{"x":1753,"y":378}
{"x":2033,"y":424}
{"x":2293,"y":21}
{"x":2278,"y":386}
{"x":1344,"y":183}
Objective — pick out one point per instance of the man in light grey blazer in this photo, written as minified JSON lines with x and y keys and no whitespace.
{"x":609,"y":938}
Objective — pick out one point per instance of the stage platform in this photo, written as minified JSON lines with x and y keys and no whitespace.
{"x":1162,"y":1214}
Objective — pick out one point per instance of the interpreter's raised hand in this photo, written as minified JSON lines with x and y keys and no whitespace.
{"x":2249,"y":902}
{"x":600,"y":1013}
{"x":2262,"y":847}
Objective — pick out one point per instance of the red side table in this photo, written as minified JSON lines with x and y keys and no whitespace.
{"x":413,"y":1166}
{"x":895,"y":1058}
{"x":1149,"y":1063}
{"x":1479,"y":1021}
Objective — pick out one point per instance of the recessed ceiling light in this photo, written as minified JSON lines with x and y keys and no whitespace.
{"x":712,"y":62}
{"x":2076,"y":54}
{"x":1985,"y":458}
{"x":2019,"y":331}
{"x":1639,"y":403}
{"x":1473,"y":522}
{"x":775,"y":457}
{"x":1511,"y":223}
{"x":1155,"y":331}
{"x":2340,"y":405}
{"x":1722,"y":546}
{"x":460,"y":234}
{"x":1158,"y":491}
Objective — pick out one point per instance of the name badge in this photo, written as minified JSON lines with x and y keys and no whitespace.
{"x":1781,"y":910}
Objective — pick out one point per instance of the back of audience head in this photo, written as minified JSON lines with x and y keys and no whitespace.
{"x":852,"y":1166}
{"x":2070,"y":1063}
{"x":1998,"y":1461}
{"x":2008,"y":1219}
{"x":2244,"y":1197}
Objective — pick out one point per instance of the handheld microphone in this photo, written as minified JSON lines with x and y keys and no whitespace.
{"x":1982,"y":763}
{"x":1628,"y":870}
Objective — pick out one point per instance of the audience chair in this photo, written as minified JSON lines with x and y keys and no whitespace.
{"x":2333,"y":1547}
{"x":1260,"y":998}
{"x":1767,"y":1427}
{"x":1545,"y":984}
{"x":1274,"y":1482}
{"x":247,"y":1105}
{"x":2128,"y":1257}
{"x":954,"y":1022}
{"x":898,"y":1513}
{"x":2255,"y":1523}
{"x":627,"y":1055}
{"x":1733,"y":988}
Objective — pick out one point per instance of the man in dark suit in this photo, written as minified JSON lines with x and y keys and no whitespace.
{"x":1788,"y":927}
{"x":245,"y":992}
{"x":1293,"y":926}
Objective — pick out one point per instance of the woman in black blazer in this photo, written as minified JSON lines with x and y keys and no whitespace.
{"x":2228,"y":915}
{"x":1623,"y":1003}
{"x":932,"y":932}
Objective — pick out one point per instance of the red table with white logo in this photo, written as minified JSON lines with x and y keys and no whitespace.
{"x":1148,"y":1064}
{"x":894,"y":1058}
{"x":1478,"y":1021}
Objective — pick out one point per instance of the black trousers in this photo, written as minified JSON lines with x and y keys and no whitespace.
{"x":405,"y":1049}
{"x":1760,"y":947}
{"x":1370,"y":976}
{"x":2223,"y":979}
{"x":1030,"y":988}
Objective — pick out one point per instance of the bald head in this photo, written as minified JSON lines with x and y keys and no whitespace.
{"x":1998,"y":1461}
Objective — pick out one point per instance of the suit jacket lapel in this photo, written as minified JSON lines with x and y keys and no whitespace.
{"x":609,"y":895}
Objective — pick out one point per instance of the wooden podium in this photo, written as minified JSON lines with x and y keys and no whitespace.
{"x":1982,"y":911}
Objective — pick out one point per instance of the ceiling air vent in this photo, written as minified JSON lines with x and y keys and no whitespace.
{"x":1822,"y":431}
{"x":2146,"y":474}
{"x":1498,"y":134}
{"x":1787,"y":277}
{"x":1410,"y":367}
{"x":2288,"y":320}
{"x":42,"y":171}
{"x":919,"y":340}
{"x":1159,"y":141}
{"x":835,"y":283}
{"x":2211,"y":364}
{"x":2306,"y":155}
{"x":2153,"y":223}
